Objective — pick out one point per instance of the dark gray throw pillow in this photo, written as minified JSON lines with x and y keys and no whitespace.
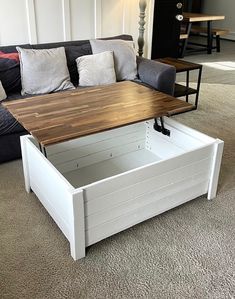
{"x":72,"y":53}
{"x":43,"y":71}
{"x":10,"y":71}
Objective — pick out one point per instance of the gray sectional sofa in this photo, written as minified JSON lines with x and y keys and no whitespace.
{"x":154,"y":74}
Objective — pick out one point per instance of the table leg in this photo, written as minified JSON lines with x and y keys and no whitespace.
{"x":187,"y":85}
{"x":198,"y":86}
{"x":209,"y":38}
{"x":185,"y":41}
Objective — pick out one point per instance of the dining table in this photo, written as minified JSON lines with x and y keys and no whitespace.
{"x":190,"y":18}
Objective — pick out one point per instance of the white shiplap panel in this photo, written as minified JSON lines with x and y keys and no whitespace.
{"x":97,"y":147}
{"x":97,"y":17}
{"x":49,"y":20}
{"x":42,"y":179}
{"x":109,"y":202}
{"x":138,"y":202}
{"x":112,"y":18}
{"x":31,"y":18}
{"x":98,"y":157}
{"x":13,"y":22}
{"x":185,"y":193}
{"x":131,"y":19}
{"x":134,"y":176}
{"x":40,"y":21}
{"x":94,"y":138}
{"x":82,"y":19}
{"x":66,"y":20}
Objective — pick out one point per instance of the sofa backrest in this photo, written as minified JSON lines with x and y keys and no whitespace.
{"x":10,"y":68}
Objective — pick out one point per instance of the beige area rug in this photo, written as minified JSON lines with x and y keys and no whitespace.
{"x":187,"y":252}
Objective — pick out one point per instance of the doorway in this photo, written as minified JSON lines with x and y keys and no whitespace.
{"x":166,"y":28}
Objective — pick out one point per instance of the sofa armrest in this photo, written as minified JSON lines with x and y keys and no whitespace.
{"x":156,"y":74}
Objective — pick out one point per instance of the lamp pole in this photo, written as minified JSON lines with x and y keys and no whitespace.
{"x":142,"y":6}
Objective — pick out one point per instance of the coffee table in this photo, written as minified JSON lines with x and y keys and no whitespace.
{"x":67,"y":115}
{"x":108,"y":166}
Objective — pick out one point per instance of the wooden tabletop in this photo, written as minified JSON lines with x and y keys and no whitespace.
{"x":198,"y":17}
{"x":179,"y":64}
{"x":67,"y":115}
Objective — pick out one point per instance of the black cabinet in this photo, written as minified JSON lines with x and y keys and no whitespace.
{"x":166,"y":28}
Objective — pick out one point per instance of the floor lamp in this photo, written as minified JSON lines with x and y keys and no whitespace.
{"x":142,"y":6}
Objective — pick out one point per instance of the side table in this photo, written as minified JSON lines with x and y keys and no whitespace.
{"x":185,"y":66}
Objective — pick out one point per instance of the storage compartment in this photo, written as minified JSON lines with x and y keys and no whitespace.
{"x":98,"y":185}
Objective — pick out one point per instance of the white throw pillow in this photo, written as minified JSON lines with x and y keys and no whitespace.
{"x":3,"y":95}
{"x":43,"y":71}
{"x":124,"y":56}
{"x":97,"y":69}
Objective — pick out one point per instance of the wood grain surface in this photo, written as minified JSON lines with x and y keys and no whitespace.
{"x":180,"y":65}
{"x":198,"y":17}
{"x":59,"y":117}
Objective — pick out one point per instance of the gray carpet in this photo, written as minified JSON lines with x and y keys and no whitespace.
{"x":187,"y":252}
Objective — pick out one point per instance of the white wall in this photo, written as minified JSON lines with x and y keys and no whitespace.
{"x":41,"y":21}
{"x":222,"y":7}
{"x":13,"y":22}
{"x":122,"y":16}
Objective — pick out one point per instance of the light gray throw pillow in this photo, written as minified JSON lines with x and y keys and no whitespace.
{"x":43,"y":71}
{"x":124,"y":57}
{"x":3,"y":95}
{"x":96,"y":69}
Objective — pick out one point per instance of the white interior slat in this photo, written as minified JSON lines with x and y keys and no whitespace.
{"x":184,"y":130}
{"x":136,"y":216}
{"x":128,"y":192}
{"x":85,"y":150}
{"x":126,"y":131}
{"x":105,"y":186}
{"x":178,"y":142}
{"x":164,"y":148}
{"x":144,"y":199}
{"x":111,"y":167}
{"x":95,"y":158}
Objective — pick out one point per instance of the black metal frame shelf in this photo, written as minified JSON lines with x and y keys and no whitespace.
{"x":185,"y":66}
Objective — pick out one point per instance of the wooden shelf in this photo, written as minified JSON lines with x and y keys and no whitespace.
{"x":185,"y":66}
{"x":179,"y":64}
{"x":181,"y":90}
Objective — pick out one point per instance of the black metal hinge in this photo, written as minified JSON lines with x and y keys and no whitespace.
{"x":161,"y":128}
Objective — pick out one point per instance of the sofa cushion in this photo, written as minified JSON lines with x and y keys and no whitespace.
{"x":2,"y":92}
{"x":10,"y":68}
{"x":96,"y":69}
{"x":124,"y":57}
{"x":73,"y":50}
{"x":44,"y":71}
{"x":10,"y":71}
{"x":8,"y":124}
